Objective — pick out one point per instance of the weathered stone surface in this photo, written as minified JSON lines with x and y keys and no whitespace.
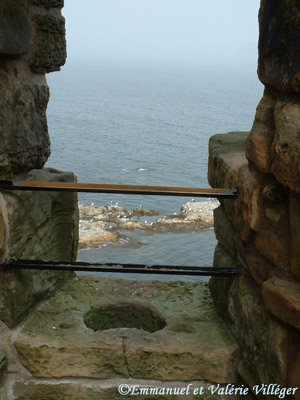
{"x":282,"y":298}
{"x":294,"y":214}
{"x":2,"y":394}
{"x":3,"y":230}
{"x":50,"y":44}
{"x":96,"y":391}
{"x":226,"y":158}
{"x":49,"y":3}
{"x":264,"y":343}
{"x":254,"y":263}
{"x":286,"y":144}
{"x":228,"y":167}
{"x":219,"y":287}
{"x":2,"y":359}
{"x":294,"y":375}
{"x":194,"y":343}
{"x":279,"y":48}
{"x":42,"y":225}
{"x":224,"y":231}
{"x":25,"y":142}
{"x":15,"y":29}
{"x":274,"y":246}
{"x":260,"y":139}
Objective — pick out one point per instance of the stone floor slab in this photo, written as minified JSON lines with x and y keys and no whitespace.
{"x":152,"y":330}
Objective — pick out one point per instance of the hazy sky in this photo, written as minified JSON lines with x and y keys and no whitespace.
{"x":200,"y":32}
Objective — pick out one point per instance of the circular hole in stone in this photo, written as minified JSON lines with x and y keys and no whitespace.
{"x":130,"y":315}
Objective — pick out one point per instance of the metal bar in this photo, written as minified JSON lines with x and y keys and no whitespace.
{"x":118,"y":189}
{"x":120,"y":268}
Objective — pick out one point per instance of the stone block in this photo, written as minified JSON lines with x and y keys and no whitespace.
{"x":50,"y":44}
{"x":149,"y":330}
{"x":49,"y":3}
{"x":282,"y":298}
{"x":226,"y":158}
{"x":219,"y":287}
{"x":3,"y":394}
{"x":274,"y":246}
{"x":2,"y":359}
{"x":42,"y":226}
{"x":294,"y":375}
{"x":15,"y":29}
{"x":286,"y":144}
{"x":265,"y":344}
{"x":25,"y":142}
{"x":279,"y":47}
{"x":254,"y":263}
{"x":260,"y":139}
{"x":294,"y":214}
{"x":224,"y":231}
{"x":228,"y":167}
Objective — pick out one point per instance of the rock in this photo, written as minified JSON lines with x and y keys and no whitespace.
{"x":264,"y":343}
{"x":254,"y":263}
{"x":224,"y":231}
{"x":228,"y":167}
{"x":286,"y":145}
{"x":282,"y":298}
{"x":25,"y":142}
{"x":2,"y":394}
{"x":194,"y":343}
{"x":201,"y":211}
{"x":15,"y":29}
{"x":274,"y":246}
{"x":219,"y":288}
{"x":294,"y":234}
{"x":294,"y":375}
{"x":260,"y":139}
{"x":275,"y":193}
{"x":2,"y":359}
{"x":49,"y":3}
{"x":50,"y":44}
{"x":226,"y":158}
{"x":41,"y":225}
{"x":279,"y":49}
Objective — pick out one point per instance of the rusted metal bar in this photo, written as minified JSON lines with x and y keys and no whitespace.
{"x":11,"y":264}
{"x":118,"y":189}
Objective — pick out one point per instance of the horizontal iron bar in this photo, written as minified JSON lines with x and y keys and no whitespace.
{"x":117,"y":267}
{"x":118,"y":189}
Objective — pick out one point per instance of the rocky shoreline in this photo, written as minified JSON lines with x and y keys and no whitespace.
{"x":102,"y":225}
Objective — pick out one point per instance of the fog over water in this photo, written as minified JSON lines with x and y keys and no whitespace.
{"x":177,"y":32}
{"x":146,"y":84}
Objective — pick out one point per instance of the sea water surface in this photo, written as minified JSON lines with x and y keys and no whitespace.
{"x":145,"y":125}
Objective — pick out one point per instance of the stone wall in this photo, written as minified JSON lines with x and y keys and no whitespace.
{"x":32,"y":225}
{"x":260,"y":232}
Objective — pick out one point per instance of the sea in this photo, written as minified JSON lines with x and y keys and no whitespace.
{"x":145,"y":125}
